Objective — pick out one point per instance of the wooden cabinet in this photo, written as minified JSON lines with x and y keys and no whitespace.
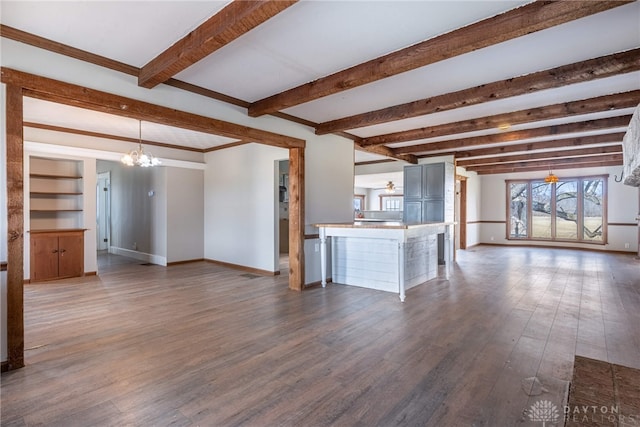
{"x":56,"y":218}
{"x":56,"y":254}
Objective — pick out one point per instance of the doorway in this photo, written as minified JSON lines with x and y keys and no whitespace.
{"x":461,"y":213}
{"x":103,"y":211}
{"x":282,"y":233}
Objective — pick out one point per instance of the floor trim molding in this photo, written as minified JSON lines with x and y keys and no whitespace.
{"x":243,"y":268}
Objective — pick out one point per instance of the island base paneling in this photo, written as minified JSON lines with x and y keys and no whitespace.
{"x":387,"y":256}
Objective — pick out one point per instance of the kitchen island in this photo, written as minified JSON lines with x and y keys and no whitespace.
{"x":388,"y":256}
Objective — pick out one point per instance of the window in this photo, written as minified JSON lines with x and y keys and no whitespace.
{"x":541,"y":210}
{"x":358,"y":202}
{"x":519,"y":223}
{"x":572,"y":209}
{"x":391,"y":203}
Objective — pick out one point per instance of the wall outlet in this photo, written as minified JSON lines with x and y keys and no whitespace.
{"x":316,"y":247}
{"x":626,"y":246}
{"x":492,"y":239}
{"x":135,"y":246}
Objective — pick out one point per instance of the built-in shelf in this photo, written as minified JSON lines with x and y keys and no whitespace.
{"x":55,"y":193}
{"x":55,"y":210}
{"x":51,"y":193}
{"x":44,"y":176}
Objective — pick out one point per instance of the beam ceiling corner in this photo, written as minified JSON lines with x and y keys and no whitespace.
{"x":233,"y":21}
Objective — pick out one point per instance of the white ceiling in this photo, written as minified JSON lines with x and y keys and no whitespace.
{"x":378,"y":181}
{"x":312,"y":39}
{"x":49,"y":113}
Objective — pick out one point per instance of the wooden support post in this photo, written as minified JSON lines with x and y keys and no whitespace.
{"x":296,"y":219}
{"x":15,"y":228}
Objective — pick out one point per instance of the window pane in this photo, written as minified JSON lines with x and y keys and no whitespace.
{"x":593,"y":212}
{"x":541,"y":207}
{"x":518,"y":210}
{"x":392,"y":203}
{"x":567,"y":210}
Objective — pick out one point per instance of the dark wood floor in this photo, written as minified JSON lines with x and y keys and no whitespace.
{"x":198,"y":344}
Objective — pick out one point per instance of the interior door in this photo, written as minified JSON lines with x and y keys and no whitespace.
{"x":103,"y":211}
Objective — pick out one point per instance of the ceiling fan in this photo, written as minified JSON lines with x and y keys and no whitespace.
{"x":390,"y":188}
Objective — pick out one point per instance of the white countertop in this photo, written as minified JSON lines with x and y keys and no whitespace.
{"x":381,"y":224}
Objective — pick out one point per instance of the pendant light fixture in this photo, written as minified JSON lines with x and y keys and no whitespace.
{"x":551,"y":178}
{"x":139,"y":157}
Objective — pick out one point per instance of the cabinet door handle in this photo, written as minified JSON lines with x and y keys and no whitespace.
{"x":54,"y":251}
{"x":63,"y":251}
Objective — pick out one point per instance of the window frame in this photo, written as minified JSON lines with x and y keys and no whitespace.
{"x":391,"y":196}
{"x":579,"y":209}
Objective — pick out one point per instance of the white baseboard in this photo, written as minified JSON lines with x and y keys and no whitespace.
{"x":141,"y":256}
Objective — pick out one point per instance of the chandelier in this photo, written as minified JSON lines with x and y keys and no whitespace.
{"x":139,"y":157}
{"x":390,"y":188}
{"x":551,"y":178}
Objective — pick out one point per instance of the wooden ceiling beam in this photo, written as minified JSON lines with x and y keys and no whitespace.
{"x":82,"y":55}
{"x":592,"y":69}
{"x":514,"y":23}
{"x":385,"y":151}
{"x":234,"y":20}
{"x":560,"y":154}
{"x":73,"y":131}
{"x":608,"y":138}
{"x":566,"y":109}
{"x":78,"y":96}
{"x":462,"y":143}
{"x":63,"y":49}
{"x":545,"y":167}
{"x":550,"y":163}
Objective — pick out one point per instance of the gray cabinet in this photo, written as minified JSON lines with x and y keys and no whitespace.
{"x":412,"y":211}
{"x":413,"y":178}
{"x":424,"y":192}
{"x":434,"y":181}
{"x":429,"y":195}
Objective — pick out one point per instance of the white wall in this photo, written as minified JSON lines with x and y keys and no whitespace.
{"x":240,"y":205}
{"x":241,"y":200}
{"x":166,"y":226}
{"x":158,"y":196}
{"x":89,"y":211}
{"x":185,"y":214}
{"x":329,"y":176}
{"x":138,"y":220}
{"x":622,"y":208}
{"x":474,"y":197}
